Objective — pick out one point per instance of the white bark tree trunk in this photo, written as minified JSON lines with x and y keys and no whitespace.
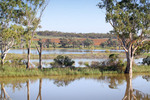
{"x":129,"y":57}
{"x":3,"y":56}
{"x":28,"y":55}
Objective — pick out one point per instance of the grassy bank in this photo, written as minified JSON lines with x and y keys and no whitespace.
{"x":73,"y":56}
{"x":21,"y":71}
{"x":141,"y":69}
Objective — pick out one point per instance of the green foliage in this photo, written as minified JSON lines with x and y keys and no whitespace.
{"x":63,"y":42}
{"x":95,"y":64}
{"x":79,"y":35}
{"x":128,"y":18}
{"x":86,"y":64}
{"x":109,"y":43}
{"x":146,"y":60}
{"x":62,"y":61}
{"x":47,"y":43}
{"x":113,"y":64}
{"x":144,"y":48}
{"x":87,"y":42}
{"x":130,"y":21}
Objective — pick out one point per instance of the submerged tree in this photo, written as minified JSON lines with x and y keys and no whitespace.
{"x":33,"y":13}
{"x":39,"y":49}
{"x":130,"y":21}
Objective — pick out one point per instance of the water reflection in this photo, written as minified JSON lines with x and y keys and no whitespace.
{"x":40,"y":87}
{"x":129,"y":90}
{"x":61,"y":51}
{"x":28,"y":90}
{"x":4,"y":94}
{"x":133,"y":94}
{"x":43,"y":88}
{"x":147,"y":77}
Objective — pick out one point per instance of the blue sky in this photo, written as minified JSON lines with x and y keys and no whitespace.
{"x":74,"y":16}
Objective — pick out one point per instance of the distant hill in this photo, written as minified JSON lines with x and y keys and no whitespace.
{"x":76,"y":35}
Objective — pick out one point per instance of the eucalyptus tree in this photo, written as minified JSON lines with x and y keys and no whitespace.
{"x":130,"y":20}
{"x":39,"y":49}
{"x":33,"y":13}
{"x":10,"y":28}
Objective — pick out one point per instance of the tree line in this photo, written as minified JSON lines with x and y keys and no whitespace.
{"x":78,"y":35}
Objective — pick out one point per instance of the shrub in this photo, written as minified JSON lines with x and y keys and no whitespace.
{"x":86,"y":64}
{"x":17,"y":62}
{"x":62,"y":61}
{"x":80,"y":63}
{"x":95,"y":64}
{"x":112,"y":64}
{"x":146,"y":60}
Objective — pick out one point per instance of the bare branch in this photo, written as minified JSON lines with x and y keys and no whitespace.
{"x":37,"y":48}
{"x":122,"y":43}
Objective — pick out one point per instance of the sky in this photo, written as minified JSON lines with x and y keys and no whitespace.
{"x":80,"y":16}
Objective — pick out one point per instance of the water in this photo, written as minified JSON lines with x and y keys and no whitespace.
{"x":46,"y":62}
{"x":60,"y":51}
{"x":110,"y":87}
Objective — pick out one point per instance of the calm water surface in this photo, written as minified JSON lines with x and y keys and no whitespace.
{"x":60,"y":51}
{"x":110,"y":87}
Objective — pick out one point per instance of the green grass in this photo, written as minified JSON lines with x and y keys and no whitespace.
{"x":21,"y":71}
{"x":73,"y":56}
{"x":7,"y":71}
{"x":141,"y":69}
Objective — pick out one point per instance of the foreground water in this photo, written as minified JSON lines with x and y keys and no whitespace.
{"x":106,"y":87}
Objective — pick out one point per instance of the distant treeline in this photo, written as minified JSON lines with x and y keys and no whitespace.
{"x":78,"y":35}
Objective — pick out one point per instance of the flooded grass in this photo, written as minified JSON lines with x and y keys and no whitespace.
{"x":21,"y":71}
{"x":73,"y":56}
{"x":141,"y":69}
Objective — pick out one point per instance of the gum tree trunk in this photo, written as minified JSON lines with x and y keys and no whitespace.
{"x":3,"y":56}
{"x":28,"y":55}
{"x":40,"y":56}
{"x":129,"y":57}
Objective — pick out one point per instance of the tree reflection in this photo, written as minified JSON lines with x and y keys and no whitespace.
{"x":129,"y":90}
{"x":62,"y":83}
{"x":140,"y":95}
{"x":4,"y":93}
{"x":114,"y":81}
{"x":133,"y":94}
{"x":40,"y":87}
{"x":147,"y":77}
{"x":28,"y":90}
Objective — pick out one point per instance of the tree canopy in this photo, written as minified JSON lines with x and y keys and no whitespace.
{"x":130,"y":21}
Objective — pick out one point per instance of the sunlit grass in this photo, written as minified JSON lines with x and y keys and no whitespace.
{"x":21,"y":71}
{"x":141,"y":69}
